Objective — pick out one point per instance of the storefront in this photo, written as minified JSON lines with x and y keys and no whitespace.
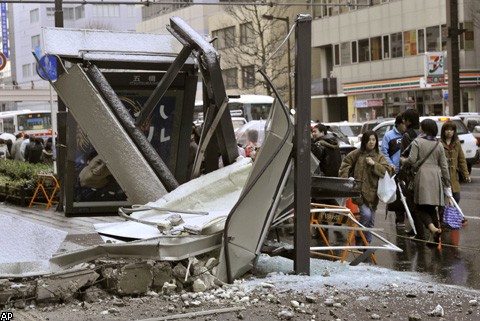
{"x":371,"y":100}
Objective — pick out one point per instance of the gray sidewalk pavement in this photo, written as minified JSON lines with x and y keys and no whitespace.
{"x":81,"y":231}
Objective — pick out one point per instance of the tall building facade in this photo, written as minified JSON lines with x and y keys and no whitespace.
{"x":25,"y":31}
{"x":376,"y":61}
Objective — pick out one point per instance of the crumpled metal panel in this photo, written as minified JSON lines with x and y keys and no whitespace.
{"x":123,"y":158}
{"x":109,"y":45}
{"x":167,"y":248}
{"x":245,"y":229}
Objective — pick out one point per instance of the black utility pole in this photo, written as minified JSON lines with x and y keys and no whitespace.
{"x":301,"y":143}
{"x":453,"y":59}
{"x":61,"y":142}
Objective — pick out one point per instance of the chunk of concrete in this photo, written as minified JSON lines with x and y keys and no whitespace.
{"x":135,"y":278}
{"x":63,"y":285}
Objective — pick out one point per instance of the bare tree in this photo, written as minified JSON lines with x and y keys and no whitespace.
{"x":256,"y":42}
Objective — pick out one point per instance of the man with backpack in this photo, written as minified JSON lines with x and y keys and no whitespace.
{"x":326,"y":149}
{"x":391,"y":148}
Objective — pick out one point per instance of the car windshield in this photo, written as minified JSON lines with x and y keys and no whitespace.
{"x":461,"y":128}
{"x":347,"y":130}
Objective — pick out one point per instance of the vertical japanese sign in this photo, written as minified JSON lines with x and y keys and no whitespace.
{"x":3,"y":10}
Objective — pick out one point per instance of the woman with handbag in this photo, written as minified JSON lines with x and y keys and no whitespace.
{"x":455,"y":157}
{"x":432,"y":179}
{"x":367,"y":165}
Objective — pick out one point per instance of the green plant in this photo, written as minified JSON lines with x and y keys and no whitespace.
{"x":17,"y":173}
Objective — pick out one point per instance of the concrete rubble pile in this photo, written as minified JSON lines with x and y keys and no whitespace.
{"x":123,"y":277}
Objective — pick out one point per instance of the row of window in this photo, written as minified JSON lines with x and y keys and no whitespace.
{"x":226,"y":37}
{"x":400,"y":44}
{"x":76,"y":13}
{"x":68,"y":13}
{"x":342,"y":6}
{"x":230,"y":77}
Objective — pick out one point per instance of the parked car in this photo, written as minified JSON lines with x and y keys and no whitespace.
{"x":349,"y":129}
{"x":469,"y":142}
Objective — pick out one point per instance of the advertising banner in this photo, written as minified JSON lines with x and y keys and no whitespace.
{"x":3,"y":12}
{"x":435,"y":67}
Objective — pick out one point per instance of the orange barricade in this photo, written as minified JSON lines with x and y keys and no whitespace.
{"x":49,"y":186}
{"x":344,"y":216}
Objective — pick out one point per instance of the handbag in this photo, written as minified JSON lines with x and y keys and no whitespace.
{"x":452,"y":217}
{"x":387,"y":189}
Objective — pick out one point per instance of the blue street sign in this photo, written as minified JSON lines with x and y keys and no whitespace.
{"x":50,"y":65}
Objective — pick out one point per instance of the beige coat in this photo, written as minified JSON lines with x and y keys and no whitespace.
{"x":432,"y":176}
{"x":367,"y":174}
{"x":456,"y":162}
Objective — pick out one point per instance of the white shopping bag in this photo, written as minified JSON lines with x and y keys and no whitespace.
{"x":387,"y":189}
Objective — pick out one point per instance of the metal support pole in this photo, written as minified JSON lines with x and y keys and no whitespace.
{"x":453,"y":58}
{"x":301,"y":141}
{"x":61,"y":142}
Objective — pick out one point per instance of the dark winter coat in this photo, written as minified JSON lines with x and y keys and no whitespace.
{"x":367,"y":174}
{"x":327,"y":151}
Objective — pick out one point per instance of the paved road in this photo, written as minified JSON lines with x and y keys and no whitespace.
{"x":457,"y":265}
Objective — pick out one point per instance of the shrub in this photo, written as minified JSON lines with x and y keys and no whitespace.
{"x":17,"y":173}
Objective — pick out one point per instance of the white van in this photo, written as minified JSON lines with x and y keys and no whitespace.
{"x":469,"y":142}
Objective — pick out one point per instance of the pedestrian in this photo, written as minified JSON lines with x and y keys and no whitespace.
{"x":4,"y":154}
{"x":368,"y":165}
{"x":432,"y":179}
{"x":455,"y":157}
{"x":252,"y":147}
{"x":47,"y":155}
{"x":23,"y":146}
{"x":325,"y":147}
{"x":391,"y":148}
{"x":411,"y":119}
{"x":9,"y":144}
{"x":16,"y":153}
{"x":34,"y":151}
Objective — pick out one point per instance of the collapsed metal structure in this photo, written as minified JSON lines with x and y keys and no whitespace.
{"x":99,"y":57}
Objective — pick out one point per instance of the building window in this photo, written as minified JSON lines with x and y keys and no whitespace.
{"x":396,"y":44}
{"x":248,"y":76}
{"x":376,"y":48}
{"x":444,"y":37}
{"x":336,"y":55}
{"x":246,"y":33}
{"x":50,"y":13}
{"x":35,"y":42}
{"x":386,"y":47}
{"x":410,"y":43}
{"x":468,"y":35}
{"x":230,"y":78}
{"x":69,"y":13}
{"x":131,"y":11}
{"x":346,"y":57}
{"x":103,"y":10}
{"x":363,"y":50}
{"x":27,"y":71}
{"x":421,"y":41}
{"x":354,"y":52}
{"x":80,"y":11}
{"x":225,"y":38}
{"x":34,"y":16}
{"x":433,"y":38}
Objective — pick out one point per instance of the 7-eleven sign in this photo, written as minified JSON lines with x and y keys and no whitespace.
{"x":435,"y":67}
